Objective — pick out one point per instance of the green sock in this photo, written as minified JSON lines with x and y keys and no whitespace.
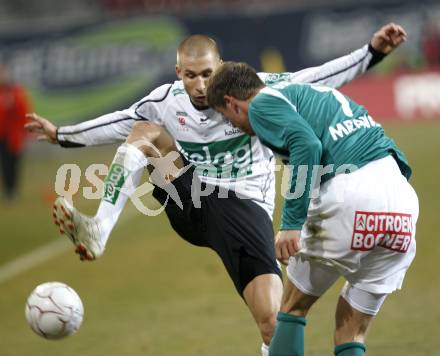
{"x":288,"y":339}
{"x":350,"y":349}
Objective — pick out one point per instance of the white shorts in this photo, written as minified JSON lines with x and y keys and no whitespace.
{"x":314,"y":278}
{"x":363,"y":226}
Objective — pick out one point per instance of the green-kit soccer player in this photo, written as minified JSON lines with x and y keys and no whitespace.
{"x":350,"y":210}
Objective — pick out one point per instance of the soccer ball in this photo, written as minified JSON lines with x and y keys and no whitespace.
{"x":54,"y":310}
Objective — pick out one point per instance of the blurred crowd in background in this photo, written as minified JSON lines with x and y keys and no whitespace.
{"x":319,"y":20}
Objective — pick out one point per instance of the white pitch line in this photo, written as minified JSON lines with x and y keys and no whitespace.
{"x":44,"y":253}
{"x":33,"y":258}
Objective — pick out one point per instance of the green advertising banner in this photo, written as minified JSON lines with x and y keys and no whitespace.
{"x":81,"y":73}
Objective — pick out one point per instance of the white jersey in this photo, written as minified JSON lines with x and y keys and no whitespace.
{"x":222,"y":154}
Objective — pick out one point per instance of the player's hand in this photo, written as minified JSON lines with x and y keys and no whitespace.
{"x":45,"y":130}
{"x":388,"y":38}
{"x":287,"y":243}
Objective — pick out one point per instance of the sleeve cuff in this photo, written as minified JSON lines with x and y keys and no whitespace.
{"x":65,"y":143}
{"x":68,"y":144}
{"x":291,"y":227}
{"x":376,"y":56}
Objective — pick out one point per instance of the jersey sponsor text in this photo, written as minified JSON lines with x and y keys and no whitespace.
{"x":230,"y":158}
{"x":392,"y":231}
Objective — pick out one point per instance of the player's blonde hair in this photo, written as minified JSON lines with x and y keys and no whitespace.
{"x":235,"y":79}
{"x":197,"y":46}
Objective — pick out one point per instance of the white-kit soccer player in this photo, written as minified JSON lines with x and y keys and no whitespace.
{"x":351,"y":211}
{"x":175,"y":117}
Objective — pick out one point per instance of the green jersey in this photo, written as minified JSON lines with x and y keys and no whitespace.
{"x":317,"y":130}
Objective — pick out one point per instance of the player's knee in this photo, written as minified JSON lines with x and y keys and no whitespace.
{"x":146,"y":136}
{"x":143,"y":133}
{"x":295,"y":301}
{"x":297,"y":306}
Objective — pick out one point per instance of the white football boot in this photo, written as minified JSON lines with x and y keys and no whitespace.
{"x":82,"y":230}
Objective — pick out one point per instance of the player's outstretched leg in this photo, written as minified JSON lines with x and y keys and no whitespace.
{"x":146,"y":140}
{"x":88,"y":232}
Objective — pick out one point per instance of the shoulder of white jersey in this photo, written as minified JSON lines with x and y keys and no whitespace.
{"x":156,"y":97}
{"x":272,"y":78}
{"x":151,"y":105}
{"x":163,"y":93}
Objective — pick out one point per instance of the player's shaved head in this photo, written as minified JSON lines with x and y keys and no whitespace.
{"x":197,"y":46}
{"x":197,"y":58}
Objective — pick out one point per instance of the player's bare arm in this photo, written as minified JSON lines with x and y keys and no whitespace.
{"x":45,"y":130}
{"x":388,"y":38}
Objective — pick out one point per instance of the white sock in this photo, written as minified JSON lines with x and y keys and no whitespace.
{"x":124,"y":177}
{"x":264,"y":350}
